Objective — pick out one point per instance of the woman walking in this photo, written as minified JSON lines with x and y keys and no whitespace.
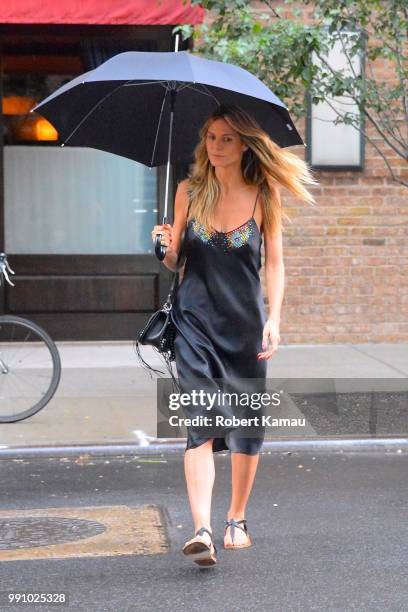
{"x":227,"y":206}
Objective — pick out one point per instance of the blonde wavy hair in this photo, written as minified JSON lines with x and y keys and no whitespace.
{"x":264,"y":163}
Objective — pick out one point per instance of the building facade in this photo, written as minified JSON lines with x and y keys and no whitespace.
{"x":346,"y":259}
{"x":76,"y":222}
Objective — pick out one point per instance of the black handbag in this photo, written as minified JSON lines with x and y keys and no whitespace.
{"x":159,"y":331}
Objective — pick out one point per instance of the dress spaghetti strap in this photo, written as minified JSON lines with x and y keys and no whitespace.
{"x":256,"y":200}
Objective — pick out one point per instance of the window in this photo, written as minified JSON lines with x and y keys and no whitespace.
{"x":331,"y":146}
{"x":70,"y":200}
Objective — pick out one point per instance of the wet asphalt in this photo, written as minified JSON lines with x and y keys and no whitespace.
{"x":330,"y":533}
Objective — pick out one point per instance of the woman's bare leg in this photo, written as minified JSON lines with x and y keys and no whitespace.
{"x":199,"y":470}
{"x":243,"y":471}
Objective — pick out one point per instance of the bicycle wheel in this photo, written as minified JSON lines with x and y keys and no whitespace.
{"x":30,"y":368}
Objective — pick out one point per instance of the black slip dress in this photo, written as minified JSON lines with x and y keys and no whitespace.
{"x":219,"y":316}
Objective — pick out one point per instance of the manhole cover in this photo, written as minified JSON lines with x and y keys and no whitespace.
{"x":93,"y":531}
{"x":29,"y":532}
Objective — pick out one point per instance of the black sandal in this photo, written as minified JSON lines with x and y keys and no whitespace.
{"x":233,"y":524}
{"x":199,"y":550}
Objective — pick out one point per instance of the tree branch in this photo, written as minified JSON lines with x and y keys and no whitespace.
{"x":367,"y":114}
{"x":401,"y":139}
{"x":394,"y":176}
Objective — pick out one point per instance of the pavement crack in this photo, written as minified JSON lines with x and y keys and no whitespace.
{"x":405,"y":374}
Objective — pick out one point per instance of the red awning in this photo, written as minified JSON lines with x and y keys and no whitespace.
{"x":101,"y":12}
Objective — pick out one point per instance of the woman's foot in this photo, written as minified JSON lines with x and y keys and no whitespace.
{"x":200,"y":548}
{"x":236,"y":534}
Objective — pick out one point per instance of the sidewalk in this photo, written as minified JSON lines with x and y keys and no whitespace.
{"x":104,"y":398}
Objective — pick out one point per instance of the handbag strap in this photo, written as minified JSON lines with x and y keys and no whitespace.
{"x":174,"y":284}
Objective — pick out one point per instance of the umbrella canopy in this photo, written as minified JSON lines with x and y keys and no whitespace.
{"x":124,"y":106}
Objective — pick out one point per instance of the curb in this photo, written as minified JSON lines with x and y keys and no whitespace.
{"x":328,"y":445}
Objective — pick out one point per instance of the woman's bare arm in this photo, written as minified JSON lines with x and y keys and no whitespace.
{"x":274,"y":272}
{"x":171,"y":234}
{"x":275,"y":281}
{"x":179,"y":222}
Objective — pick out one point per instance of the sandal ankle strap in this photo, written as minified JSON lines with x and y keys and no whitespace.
{"x":236,"y":523}
{"x":233,"y":524}
{"x":203,"y":530}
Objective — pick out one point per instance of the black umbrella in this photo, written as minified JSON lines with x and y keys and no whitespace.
{"x":131,"y":104}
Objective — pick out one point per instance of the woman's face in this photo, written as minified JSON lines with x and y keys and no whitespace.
{"x":224,"y":145}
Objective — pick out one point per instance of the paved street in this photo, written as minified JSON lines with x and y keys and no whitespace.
{"x":329,"y":531}
{"x":96,"y":98}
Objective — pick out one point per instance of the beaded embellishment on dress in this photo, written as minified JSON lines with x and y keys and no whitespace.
{"x":233,"y":239}
{"x":238,"y":237}
{"x":202,"y":233}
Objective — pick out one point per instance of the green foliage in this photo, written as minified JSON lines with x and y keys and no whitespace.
{"x":290,"y":55}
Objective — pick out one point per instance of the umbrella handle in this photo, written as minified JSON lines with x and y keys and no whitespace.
{"x":159,"y":249}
